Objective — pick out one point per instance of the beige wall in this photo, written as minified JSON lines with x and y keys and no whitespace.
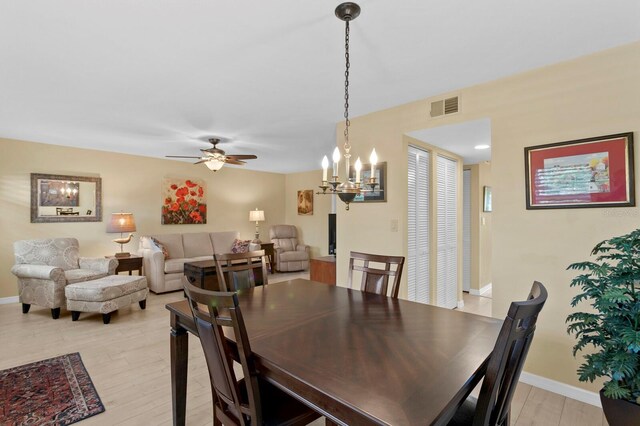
{"x":590,"y":96}
{"x":313,"y":229}
{"x":131,"y":184}
{"x":484,"y":228}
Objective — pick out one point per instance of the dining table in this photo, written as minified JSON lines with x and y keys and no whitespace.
{"x":355,"y":357}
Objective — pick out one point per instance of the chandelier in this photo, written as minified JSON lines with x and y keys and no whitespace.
{"x":351,"y":187}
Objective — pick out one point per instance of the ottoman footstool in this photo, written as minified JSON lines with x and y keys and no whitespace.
{"x":106,"y":295}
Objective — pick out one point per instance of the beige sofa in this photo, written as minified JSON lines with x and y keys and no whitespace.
{"x":165,"y":275}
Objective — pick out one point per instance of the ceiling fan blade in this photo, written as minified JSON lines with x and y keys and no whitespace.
{"x":180,"y":156}
{"x":242,"y":157}
{"x":234,"y":161}
{"x":204,"y":160}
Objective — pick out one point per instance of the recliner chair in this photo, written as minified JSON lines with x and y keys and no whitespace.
{"x":290,"y":255}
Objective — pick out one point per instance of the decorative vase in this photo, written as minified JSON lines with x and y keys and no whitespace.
{"x":620,"y":412}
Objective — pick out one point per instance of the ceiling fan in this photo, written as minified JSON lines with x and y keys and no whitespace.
{"x":214,"y":158}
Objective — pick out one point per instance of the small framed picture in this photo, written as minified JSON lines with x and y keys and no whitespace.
{"x":305,"y":202}
{"x":486,"y":207}
{"x":379,"y":193}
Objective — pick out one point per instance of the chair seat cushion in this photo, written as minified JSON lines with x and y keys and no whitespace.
{"x":107,"y":288}
{"x":173,"y":266}
{"x":79,"y":275}
{"x":294,"y":256}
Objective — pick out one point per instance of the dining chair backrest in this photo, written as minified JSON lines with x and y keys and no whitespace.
{"x":507,"y":358}
{"x":236,"y":403}
{"x":237,"y":271}
{"x":376,"y":280}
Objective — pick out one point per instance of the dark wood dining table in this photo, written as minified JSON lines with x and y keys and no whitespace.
{"x":356,"y":358}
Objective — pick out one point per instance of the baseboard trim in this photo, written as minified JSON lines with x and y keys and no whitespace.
{"x":460,"y":304}
{"x":480,"y":292}
{"x":7,"y":300}
{"x":560,"y":388}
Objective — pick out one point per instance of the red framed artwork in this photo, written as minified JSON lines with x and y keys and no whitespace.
{"x":593,"y":172}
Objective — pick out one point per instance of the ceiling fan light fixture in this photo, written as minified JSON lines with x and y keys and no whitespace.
{"x":214,"y":164}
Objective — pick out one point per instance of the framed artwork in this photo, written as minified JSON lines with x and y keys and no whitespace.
{"x":380,"y":193}
{"x":486,"y":207}
{"x":184,"y":201}
{"x":305,"y":202}
{"x":593,"y":172}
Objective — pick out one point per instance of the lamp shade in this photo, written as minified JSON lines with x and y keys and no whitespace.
{"x":256,"y":215}
{"x":214,"y":164}
{"x":121,"y":222}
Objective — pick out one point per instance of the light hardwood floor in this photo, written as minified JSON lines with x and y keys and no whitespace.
{"x":128,"y":361}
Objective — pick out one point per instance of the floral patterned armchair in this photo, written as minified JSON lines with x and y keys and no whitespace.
{"x":45,"y":267}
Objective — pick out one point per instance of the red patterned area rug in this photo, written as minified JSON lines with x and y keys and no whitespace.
{"x":56,"y":391}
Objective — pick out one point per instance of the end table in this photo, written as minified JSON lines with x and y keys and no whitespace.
{"x":271,"y":255}
{"x":129,"y":263}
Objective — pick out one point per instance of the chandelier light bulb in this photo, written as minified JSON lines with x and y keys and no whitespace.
{"x":358,"y":167}
{"x":373,"y":159}
{"x":336,"y":160}
{"x":325,"y":166}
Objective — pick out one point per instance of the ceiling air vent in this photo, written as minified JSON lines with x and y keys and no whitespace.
{"x":445,"y":106}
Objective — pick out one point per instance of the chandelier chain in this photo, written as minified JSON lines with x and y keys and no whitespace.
{"x":347,"y":123}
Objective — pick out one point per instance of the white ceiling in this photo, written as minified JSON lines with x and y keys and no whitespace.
{"x":460,"y":139}
{"x":157,"y":77}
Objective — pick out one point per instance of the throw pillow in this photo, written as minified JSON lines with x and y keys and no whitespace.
{"x":240,"y":246}
{"x":161,"y":246}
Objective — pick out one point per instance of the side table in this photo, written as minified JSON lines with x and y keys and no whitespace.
{"x":271,"y":255}
{"x":129,"y":263}
{"x":323,"y":270}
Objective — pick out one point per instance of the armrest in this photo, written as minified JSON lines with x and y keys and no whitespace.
{"x":105,"y":265}
{"x":43,"y":272}
{"x":153,"y":267}
{"x":302,"y":247}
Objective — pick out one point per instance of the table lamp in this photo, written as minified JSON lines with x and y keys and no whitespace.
{"x":256,"y":216}
{"x":122,"y":222}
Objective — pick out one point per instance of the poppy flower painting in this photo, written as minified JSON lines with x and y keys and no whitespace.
{"x":183,"y":202}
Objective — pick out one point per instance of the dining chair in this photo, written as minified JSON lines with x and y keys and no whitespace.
{"x":376,"y":280}
{"x":237,"y":271}
{"x":250,"y":400}
{"x":493,"y":405}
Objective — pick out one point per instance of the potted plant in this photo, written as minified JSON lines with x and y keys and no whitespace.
{"x":611,"y":285}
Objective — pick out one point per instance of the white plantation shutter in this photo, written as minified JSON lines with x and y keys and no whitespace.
{"x":418,"y":225}
{"x":447,"y":228}
{"x":466,"y":231}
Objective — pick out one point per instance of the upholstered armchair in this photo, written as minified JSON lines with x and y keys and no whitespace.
{"x":290,"y":255}
{"x":45,"y":267}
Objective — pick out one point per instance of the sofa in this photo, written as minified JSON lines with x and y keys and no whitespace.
{"x":164,"y":255}
{"x":45,"y":267}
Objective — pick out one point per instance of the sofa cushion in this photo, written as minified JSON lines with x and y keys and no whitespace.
{"x":165,"y":251}
{"x":79,"y":275}
{"x":222,"y":241}
{"x":240,"y":246}
{"x":197,"y":244}
{"x":173,"y":266}
{"x":173,"y":243}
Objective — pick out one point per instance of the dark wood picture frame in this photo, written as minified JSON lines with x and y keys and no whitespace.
{"x":380,"y":193}
{"x":66,"y":214}
{"x":583,"y":173}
